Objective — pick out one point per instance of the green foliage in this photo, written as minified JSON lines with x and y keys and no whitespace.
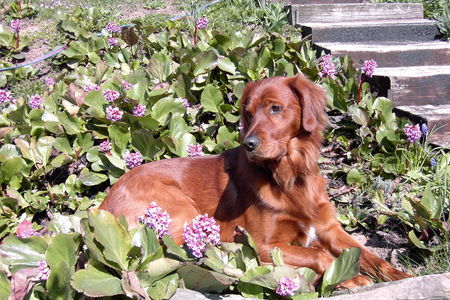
{"x":135,"y":263}
{"x":444,"y":22}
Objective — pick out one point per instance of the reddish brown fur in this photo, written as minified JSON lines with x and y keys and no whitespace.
{"x":274,"y":191}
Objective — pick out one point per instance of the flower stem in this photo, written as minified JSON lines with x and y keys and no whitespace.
{"x":360,"y":89}
{"x":195,"y":35}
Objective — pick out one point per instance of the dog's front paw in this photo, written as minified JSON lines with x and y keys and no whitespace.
{"x":357,"y":281}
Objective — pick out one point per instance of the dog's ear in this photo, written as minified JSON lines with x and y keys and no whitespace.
{"x":244,"y":100}
{"x":312,"y":100}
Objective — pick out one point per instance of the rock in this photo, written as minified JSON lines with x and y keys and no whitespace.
{"x":435,"y":287}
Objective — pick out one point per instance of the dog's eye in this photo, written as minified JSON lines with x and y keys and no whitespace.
{"x":275,"y":109}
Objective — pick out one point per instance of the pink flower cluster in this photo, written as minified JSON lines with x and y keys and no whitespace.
{"x":24,"y":230}
{"x":202,"y":23}
{"x":5,"y":96}
{"x":195,"y":150}
{"x":327,"y":67}
{"x":287,"y":286}
{"x":185,"y":102}
{"x":126,"y":85}
{"x":202,"y":232}
{"x":413,"y":133}
{"x":112,"y":42}
{"x":111,"y":95}
{"x":133,"y":160}
{"x":113,"y":27}
{"x":49,"y":81}
{"x":36,"y":102}
{"x":139,"y":110}
{"x":91,"y":87}
{"x":44,"y":270}
{"x":369,"y":67}
{"x":157,"y":219}
{"x":105,"y":146}
{"x":113,"y":113}
{"x":15,"y":25}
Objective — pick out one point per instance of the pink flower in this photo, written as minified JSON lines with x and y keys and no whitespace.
{"x":126,"y":85}
{"x":369,"y":67}
{"x":133,"y":160}
{"x":202,"y":23}
{"x":112,"y":42}
{"x":139,"y":110}
{"x":44,"y":270}
{"x":287,"y":286}
{"x":195,"y":150}
{"x":49,"y":81}
{"x":91,"y":87}
{"x":24,"y":230}
{"x":327,"y":67}
{"x":185,"y":102}
{"x":202,"y":232}
{"x":111,"y":95}
{"x":15,"y":25}
{"x":156,"y":219}
{"x":413,"y":133}
{"x":5,"y":96}
{"x":113,"y":27}
{"x":36,"y":102}
{"x":113,"y":113}
{"x":105,"y":146}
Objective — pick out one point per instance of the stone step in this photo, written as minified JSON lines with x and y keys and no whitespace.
{"x":413,"y":85}
{"x":372,"y":31}
{"x":437,"y":118}
{"x":291,"y":2}
{"x":392,"y":54}
{"x":305,"y":13}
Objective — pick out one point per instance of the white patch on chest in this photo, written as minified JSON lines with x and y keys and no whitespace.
{"x":311,"y":237}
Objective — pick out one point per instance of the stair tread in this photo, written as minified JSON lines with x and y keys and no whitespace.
{"x":368,"y":23}
{"x":434,"y":112}
{"x":413,"y":71}
{"x":385,"y":46}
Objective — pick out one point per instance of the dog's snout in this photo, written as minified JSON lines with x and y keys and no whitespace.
{"x":251,"y":142}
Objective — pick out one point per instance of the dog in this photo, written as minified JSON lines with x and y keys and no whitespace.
{"x":270,"y":184}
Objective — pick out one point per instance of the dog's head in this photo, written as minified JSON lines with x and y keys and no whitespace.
{"x":278,"y":110}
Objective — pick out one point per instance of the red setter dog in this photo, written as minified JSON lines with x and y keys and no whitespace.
{"x":269,"y":185}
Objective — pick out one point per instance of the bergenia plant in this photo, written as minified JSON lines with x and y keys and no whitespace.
{"x":367,"y":70}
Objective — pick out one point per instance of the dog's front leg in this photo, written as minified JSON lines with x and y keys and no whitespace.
{"x":333,"y":237}
{"x":297,"y":256}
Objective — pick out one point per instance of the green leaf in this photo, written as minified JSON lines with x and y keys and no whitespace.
{"x":354,"y":177}
{"x":202,"y":280}
{"x":145,"y":143}
{"x":164,"y":288}
{"x":62,"y":249}
{"x":250,"y":290}
{"x":164,"y":107}
{"x":96,"y":283}
{"x":261,"y":275}
{"x":120,"y":135}
{"x":95,"y":101}
{"x":345,"y":267}
{"x":161,"y":267}
{"x":95,"y":249}
{"x":5,"y":286}
{"x":112,"y":236}
{"x":204,"y":62}
{"x":58,"y":283}
{"x":147,"y":239}
{"x":174,"y":249}
{"x":277,"y":256}
{"x":358,"y":115}
{"x":225,"y":64}
{"x":11,"y":167}
{"x":433,"y":205}
{"x":23,"y":253}
{"x":211,"y":98}
{"x":91,"y":178}
{"x":71,"y":124}
{"x":62,"y":145}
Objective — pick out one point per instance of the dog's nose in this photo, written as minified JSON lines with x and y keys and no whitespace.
{"x":251,"y":142}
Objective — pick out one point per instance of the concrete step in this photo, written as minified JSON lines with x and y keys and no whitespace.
{"x":437,"y":118}
{"x":372,"y":31}
{"x":392,"y":54}
{"x":413,"y":85}
{"x":345,"y":12}
{"x":291,"y":2}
